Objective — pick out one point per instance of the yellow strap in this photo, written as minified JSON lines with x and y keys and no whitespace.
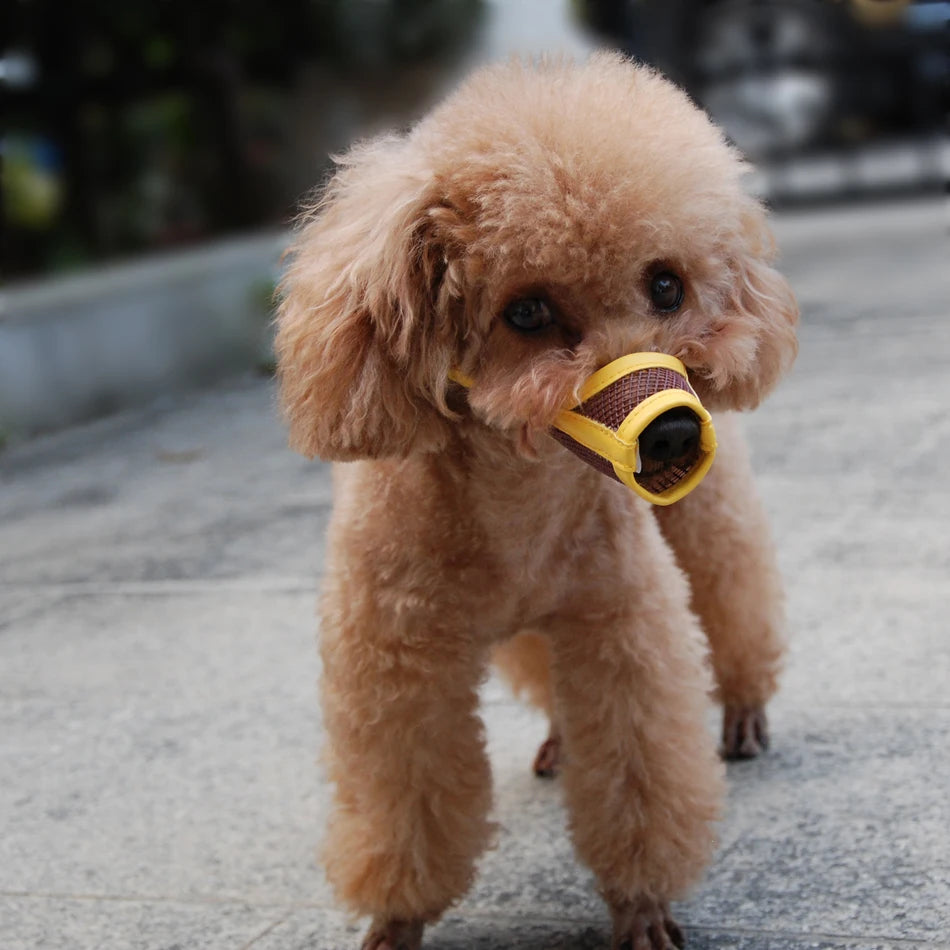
{"x":457,"y":376}
{"x":598,"y":438}
{"x":631,"y":363}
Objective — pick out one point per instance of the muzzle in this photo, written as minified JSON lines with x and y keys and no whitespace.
{"x":639,"y":422}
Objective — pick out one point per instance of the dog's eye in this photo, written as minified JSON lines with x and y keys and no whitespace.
{"x":528,"y":314}
{"x":666,"y":291}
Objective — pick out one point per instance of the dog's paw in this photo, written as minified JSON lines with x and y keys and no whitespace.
{"x":745,"y":732}
{"x":394,"y":935}
{"x":645,"y":925}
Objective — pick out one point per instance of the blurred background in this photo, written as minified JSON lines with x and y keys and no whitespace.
{"x":154,"y":152}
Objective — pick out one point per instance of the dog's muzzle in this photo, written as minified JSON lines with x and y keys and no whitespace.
{"x":638,"y":421}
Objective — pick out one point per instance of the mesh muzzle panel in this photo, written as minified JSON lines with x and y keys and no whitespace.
{"x":612,"y":405}
{"x":614,"y":402}
{"x":667,"y":474}
{"x":602,"y":465}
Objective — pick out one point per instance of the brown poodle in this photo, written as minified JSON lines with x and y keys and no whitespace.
{"x":542,"y":222}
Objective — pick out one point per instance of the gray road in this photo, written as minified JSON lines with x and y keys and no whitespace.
{"x":158,"y":723}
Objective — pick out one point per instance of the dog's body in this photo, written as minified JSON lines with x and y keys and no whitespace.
{"x":464,"y":526}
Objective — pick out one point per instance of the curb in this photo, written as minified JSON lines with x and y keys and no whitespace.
{"x":77,"y":347}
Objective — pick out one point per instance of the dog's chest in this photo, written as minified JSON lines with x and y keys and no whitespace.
{"x":538,"y":538}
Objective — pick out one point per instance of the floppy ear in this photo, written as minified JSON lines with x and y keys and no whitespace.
{"x":365,"y":330}
{"x":753,"y":343}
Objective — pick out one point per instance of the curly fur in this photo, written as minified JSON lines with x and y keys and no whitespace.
{"x":460,"y":524}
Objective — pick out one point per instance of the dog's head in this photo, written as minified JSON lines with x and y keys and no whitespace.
{"x":540,"y":223}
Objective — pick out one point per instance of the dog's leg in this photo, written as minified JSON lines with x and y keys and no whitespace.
{"x":642,"y":780}
{"x":525,"y":661}
{"x":720,"y":536}
{"x":406,"y":753}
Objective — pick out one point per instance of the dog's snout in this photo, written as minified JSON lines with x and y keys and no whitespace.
{"x":670,"y":436}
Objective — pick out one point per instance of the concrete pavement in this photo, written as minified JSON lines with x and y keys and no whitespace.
{"x":158,"y":719}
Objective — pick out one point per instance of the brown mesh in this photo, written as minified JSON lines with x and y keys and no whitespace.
{"x":589,"y":456}
{"x":612,"y":405}
{"x":668,"y":474}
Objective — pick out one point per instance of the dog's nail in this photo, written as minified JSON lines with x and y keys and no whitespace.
{"x":547,"y":761}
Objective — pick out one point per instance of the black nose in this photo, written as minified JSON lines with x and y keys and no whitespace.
{"x":670,"y":436}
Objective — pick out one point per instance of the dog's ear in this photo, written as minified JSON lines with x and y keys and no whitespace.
{"x":753,"y":343}
{"x":365,"y":330}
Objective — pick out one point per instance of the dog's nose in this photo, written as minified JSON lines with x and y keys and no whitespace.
{"x":670,"y":436}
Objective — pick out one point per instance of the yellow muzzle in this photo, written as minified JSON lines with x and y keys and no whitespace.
{"x":615,"y":407}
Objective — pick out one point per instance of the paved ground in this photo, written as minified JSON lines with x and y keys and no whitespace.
{"x":158,"y":723}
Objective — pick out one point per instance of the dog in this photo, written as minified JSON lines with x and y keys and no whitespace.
{"x":544,"y":220}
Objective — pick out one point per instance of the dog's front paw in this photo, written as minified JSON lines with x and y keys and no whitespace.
{"x":394,"y":935}
{"x":745,"y":732}
{"x":645,"y":925}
